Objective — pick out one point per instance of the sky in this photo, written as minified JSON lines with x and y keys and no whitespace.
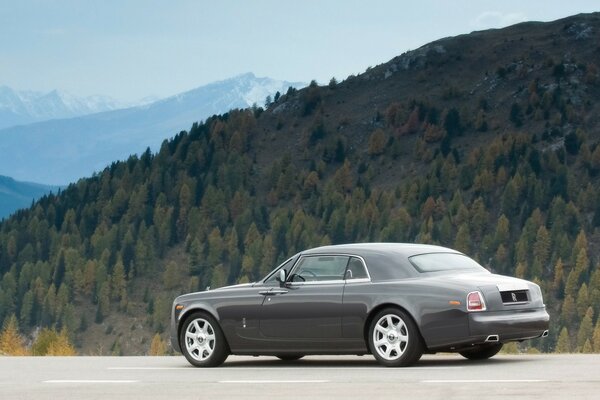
{"x":132,"y":49}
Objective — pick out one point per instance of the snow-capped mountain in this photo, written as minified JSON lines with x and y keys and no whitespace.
{"x":60,"y":151}
{"x":24,"y":107}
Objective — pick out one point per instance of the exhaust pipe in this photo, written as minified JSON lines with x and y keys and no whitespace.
{"x":492,"y":339}
{"x":545,"y":334}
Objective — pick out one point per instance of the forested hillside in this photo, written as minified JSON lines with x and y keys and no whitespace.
{"x":487,"y":142}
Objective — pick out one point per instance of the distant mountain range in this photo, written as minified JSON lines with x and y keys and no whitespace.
{"x":25,"y":107}
{"x":15,"y":195}
{"x":60,"y":151}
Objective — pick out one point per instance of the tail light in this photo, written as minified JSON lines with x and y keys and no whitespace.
{"x":475,"y":302}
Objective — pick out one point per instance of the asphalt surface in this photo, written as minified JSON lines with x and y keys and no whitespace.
{"x":316,"y":377}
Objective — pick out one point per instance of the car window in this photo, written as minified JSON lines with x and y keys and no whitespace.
{"x":319,"y":269}
{"x":435,"y":262}
{"x":355,"y":269}
{"x":272,"y":277}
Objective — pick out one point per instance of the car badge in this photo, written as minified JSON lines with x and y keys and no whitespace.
{"x":514,"y":296}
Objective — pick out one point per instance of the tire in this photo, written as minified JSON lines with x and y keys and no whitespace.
{"x":399,"y":346}
{"x":290,"y":357}
{"x":202,"y":341}
{"x":482,"y":352}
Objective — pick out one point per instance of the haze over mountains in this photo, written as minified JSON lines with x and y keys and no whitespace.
{"x":15,"y":195}
{"x":25,"y":107}
{"x":60,"y":151}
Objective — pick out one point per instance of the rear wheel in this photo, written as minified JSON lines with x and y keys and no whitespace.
{"x":394,"y":339}
{"x":482,"y":352}
{"x":290,"y":357}
{"x":202,"y":341}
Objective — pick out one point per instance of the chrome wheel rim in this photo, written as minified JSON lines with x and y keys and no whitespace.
{"x":390,"y":337}
{"x":200,"y":339}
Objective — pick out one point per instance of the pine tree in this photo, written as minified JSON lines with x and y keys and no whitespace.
{"x":118,"y":281}
{"x":563,"y":344}
{"x":583,"y":301}
{"x":587,"y":347}
{"x":377,"y":142}
{"x":502,"y":230}
{"x":215,"y":247}
{"x":171,"y":276}
{"x":586,"y":329}
{"x":541,"y":249}
{"x":596,"y":337}
{"x":558,"y":275}
{"x":461,"y":243}
{"x":158,"y":347}
{"x":11,"y":342}
{"x":568,"y":311}
{"x":61,"y":345}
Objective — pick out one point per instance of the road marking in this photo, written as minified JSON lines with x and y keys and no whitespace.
{"x":276,"y":381}
{"x":484,"y":381}
{"x":88,"y":381}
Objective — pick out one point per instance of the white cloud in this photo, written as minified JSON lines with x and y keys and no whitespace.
{"x":495,"y":19}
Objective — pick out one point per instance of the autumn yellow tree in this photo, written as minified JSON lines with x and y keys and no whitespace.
{"x":158,"y":347}
{"x":49,"y":342}
{"x":61,"y":345}
{"x":11,"y":343}
{"x":563,"y":345}
{"x":377,"y":142}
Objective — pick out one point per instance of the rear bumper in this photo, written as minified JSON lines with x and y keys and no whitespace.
{"x":509,"y":325}
{"x":506,"y":326}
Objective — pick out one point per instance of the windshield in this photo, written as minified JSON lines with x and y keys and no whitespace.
{"x":272,"y":277}
{"x":434,"y":262}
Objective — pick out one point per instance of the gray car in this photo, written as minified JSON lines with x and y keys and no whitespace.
{"x":395,"y":301}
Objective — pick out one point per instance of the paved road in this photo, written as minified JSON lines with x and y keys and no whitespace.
{"x":317,"y":377}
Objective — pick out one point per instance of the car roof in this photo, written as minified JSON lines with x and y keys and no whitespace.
{"x":404,"y":249}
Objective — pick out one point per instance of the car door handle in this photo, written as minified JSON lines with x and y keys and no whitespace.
{"x":272,"y":292}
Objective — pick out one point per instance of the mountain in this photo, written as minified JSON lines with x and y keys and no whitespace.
{"x":15,"y":195}
{"x":63,"y":150}
{"x":487,"y":142}
{"x":25,"y":107}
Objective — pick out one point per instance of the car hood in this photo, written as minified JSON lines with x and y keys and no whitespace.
{"x":206,"y":294}
{"x":230,"y":287}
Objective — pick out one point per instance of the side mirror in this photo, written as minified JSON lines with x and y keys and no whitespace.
{"x":281,"y":277}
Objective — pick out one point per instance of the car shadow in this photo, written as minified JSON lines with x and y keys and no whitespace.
{"x":427,"y":361}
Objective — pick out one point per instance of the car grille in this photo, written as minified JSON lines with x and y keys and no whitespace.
{"x":514,"y":296}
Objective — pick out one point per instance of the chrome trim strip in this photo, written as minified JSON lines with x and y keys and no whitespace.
{"x":368,"y":279}
{"x":309,"y":283}
{"x":357,"y":280}
{"x":516,"y":303}
{"x":511,"y":287}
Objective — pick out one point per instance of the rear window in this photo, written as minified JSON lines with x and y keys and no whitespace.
{"x":434,"y":262}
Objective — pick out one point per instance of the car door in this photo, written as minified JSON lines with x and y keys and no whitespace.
{"x":240,"y":313}
{"x":308,"y":306}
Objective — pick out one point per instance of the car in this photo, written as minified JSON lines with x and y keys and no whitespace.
{"x":395,"y":301}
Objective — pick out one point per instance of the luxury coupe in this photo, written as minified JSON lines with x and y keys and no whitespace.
{"x":392,"y":300}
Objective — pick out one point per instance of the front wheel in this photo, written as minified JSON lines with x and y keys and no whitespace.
{"x":394,"y":339}
{"x":482,"y":352}
{"x":202,"y":341}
